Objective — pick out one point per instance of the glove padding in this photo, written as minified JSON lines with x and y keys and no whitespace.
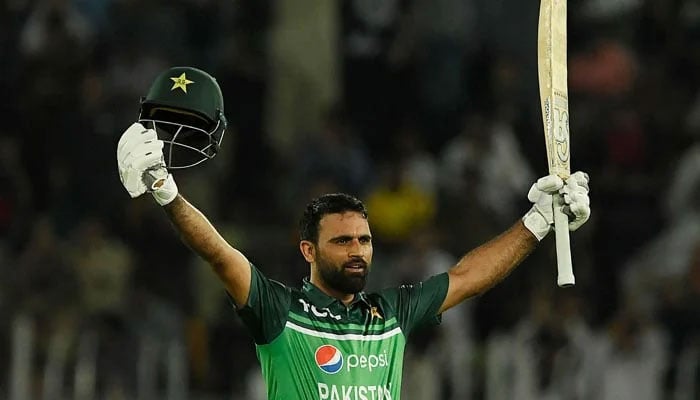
{"x":578,"y":204}
{"x":142,"y":166}
{"x":540,"y":219}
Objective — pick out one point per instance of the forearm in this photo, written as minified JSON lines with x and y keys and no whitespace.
{"x":196,"y":231}
{"x":488,"y":264}
{"x":200,"y":235}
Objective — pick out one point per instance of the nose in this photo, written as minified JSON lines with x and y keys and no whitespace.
{"x":357,"y":248}
{"x":354,"y":247}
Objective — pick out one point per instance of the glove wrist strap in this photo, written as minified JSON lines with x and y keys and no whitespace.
{"x":536,"y":223}
{"x":164,"y":191}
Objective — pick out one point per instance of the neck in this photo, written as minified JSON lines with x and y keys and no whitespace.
{"x":346,"y":298}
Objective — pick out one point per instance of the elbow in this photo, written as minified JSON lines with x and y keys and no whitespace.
{"x":219,"y":266}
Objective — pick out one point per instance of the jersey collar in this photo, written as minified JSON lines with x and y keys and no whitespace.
{"x":320,"y":299}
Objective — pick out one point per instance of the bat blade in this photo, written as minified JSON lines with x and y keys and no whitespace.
{"x":554,"y":101}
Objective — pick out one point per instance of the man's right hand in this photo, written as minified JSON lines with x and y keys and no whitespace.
{"x":141,"y":165}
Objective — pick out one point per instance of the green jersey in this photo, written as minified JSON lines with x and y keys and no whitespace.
{"x":312,"y":346}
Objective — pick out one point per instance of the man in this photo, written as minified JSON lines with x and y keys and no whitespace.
{"x":329,"y":339}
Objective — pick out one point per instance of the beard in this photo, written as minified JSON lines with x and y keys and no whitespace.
{"x":339,"y":278}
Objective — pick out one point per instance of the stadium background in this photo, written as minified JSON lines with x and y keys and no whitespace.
{"x":426,"y":109}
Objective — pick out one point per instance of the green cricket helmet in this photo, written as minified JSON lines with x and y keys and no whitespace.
{"x":185,"y":107}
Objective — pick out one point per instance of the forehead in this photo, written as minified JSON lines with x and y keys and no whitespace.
{"x":342,"y":224}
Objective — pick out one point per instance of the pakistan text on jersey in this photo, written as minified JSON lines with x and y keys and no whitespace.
{"x":354,"y":392}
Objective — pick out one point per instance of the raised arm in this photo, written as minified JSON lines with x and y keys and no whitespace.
{"x":199,"y":234}
{"x":141,"y":170}
{"x":486,"y":265}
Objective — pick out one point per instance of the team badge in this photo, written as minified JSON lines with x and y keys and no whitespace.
{"x":180,"y":82}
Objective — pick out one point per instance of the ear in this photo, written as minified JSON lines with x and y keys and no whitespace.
{"x":308,"y":250}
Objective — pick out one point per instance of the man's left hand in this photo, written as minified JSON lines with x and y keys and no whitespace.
{"x":578,"y":204}
{"x":540,"y":219}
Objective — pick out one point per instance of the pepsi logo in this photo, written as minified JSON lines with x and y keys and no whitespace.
{"x":329,"y":359}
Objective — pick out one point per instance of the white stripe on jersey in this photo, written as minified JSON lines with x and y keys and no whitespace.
{"x":347,"y":336}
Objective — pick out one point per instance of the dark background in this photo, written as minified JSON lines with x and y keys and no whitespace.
{"x":427,"y":110}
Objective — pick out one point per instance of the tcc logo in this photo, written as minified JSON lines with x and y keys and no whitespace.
{"x":324,"y":312}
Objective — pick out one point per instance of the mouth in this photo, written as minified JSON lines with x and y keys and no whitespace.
{"x":355,"y":266}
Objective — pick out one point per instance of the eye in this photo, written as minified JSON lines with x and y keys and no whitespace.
{"x":365,"y":240}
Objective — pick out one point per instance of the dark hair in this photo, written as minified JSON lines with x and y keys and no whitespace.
{"x":333,"y":203}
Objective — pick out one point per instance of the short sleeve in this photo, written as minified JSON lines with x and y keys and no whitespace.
{"x":265,"y":312}
{"x":418,"y":304}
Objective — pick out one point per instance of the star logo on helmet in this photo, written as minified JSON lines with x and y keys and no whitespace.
{"x":180,"y":82}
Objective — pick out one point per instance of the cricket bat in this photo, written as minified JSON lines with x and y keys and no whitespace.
{"x":554,"y":101}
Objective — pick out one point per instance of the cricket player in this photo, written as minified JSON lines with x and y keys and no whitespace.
{"x":327,"y":339}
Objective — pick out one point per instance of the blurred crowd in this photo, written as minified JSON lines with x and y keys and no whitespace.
{"x":429,"y":111}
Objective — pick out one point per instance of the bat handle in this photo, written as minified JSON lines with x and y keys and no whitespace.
{"x":565,"y":271}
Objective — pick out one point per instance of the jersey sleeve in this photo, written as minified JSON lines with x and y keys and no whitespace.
{"x":265,"y":312}
{"x":417,"y":305}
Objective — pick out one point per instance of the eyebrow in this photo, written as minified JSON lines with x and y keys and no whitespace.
{"x":349,"y":237}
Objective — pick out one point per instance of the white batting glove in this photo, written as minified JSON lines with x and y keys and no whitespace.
{"x":540,"y":219}
{"x":142,"y":166}
{"x":578,"y":204}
